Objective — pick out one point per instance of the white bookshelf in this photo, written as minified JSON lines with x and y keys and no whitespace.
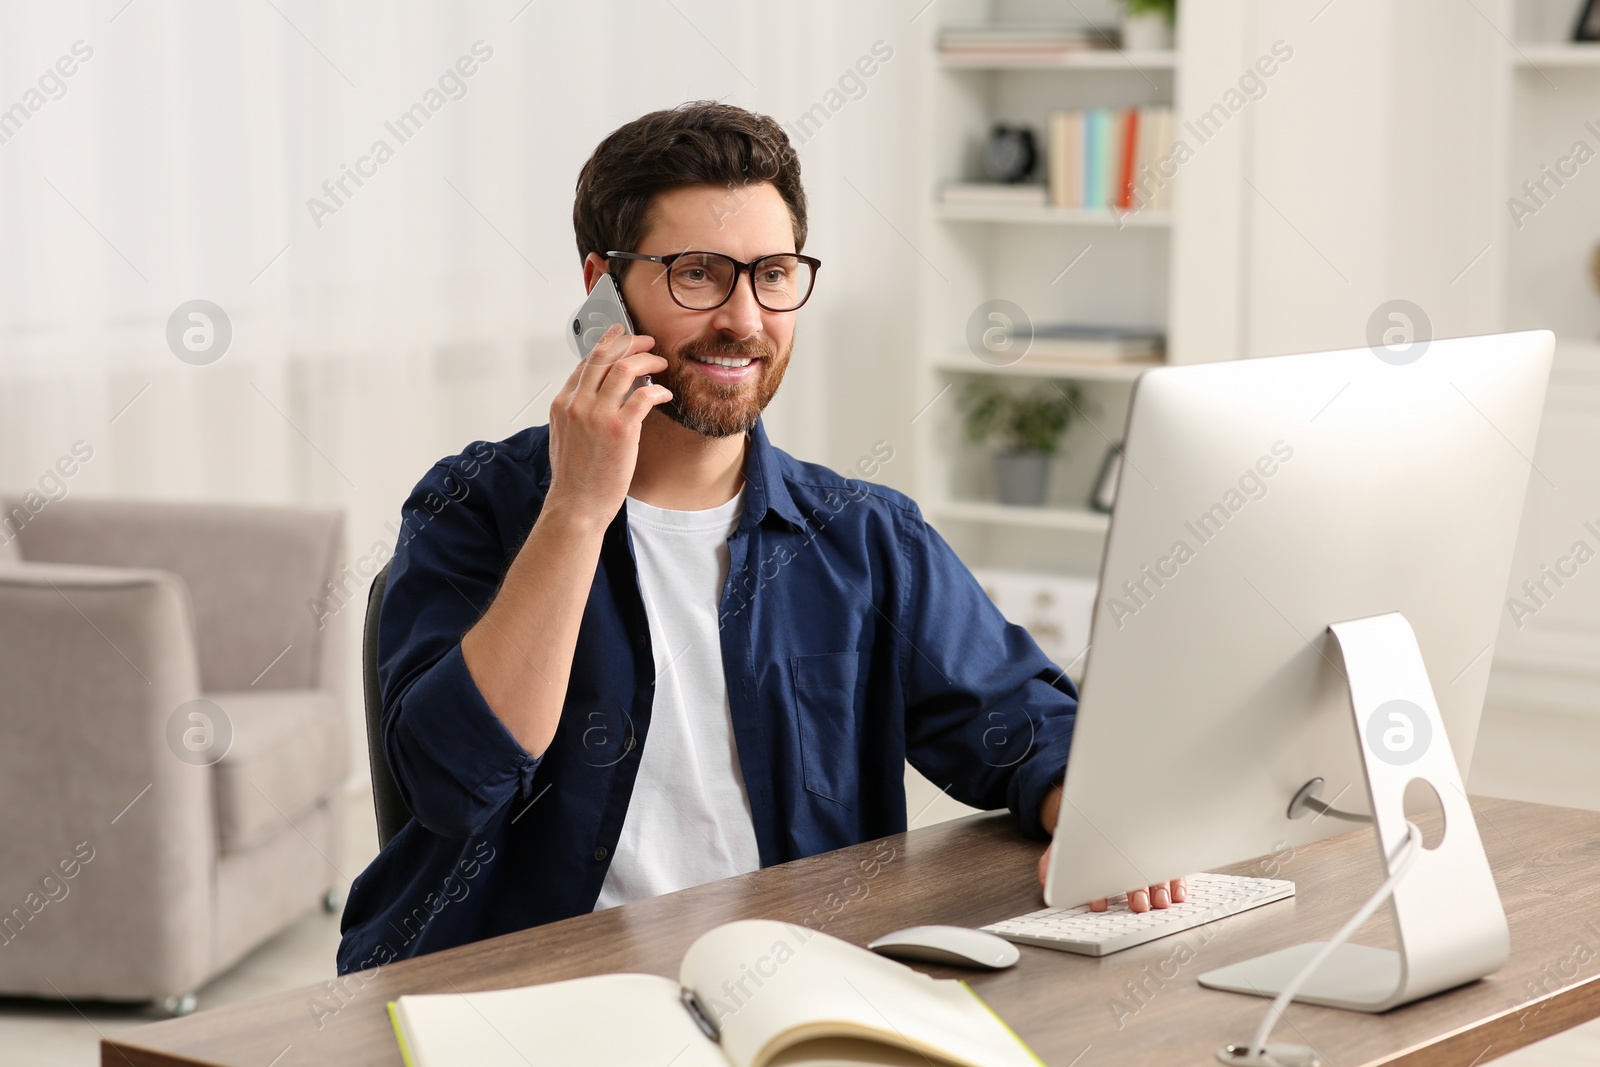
{"x":1557,"y":55}
{"x":1547,"y":97}
{"x":1323,"y":199}
{"x":1100,"y":60}
{"x":1026,"y":254}
{"x":1045,"y":215}
{"x":958,"y":363}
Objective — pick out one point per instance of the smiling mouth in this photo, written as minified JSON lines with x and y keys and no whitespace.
{"x":725,"y":361}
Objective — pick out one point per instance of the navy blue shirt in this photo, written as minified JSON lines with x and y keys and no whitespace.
{"x":853,"y":639}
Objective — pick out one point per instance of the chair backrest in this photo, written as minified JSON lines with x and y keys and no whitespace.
{"x":391,"y":809}
{"x":292,"y":554}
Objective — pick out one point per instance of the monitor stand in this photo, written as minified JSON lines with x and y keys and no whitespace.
{"x":1448,"y":920}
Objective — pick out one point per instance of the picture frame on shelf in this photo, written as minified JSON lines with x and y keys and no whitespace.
{"x":1104,"y":495}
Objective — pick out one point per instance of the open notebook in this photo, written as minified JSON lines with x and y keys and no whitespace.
{"x":753,"y":993}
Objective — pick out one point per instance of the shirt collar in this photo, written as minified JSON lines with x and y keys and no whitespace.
{"x":765,"y":489}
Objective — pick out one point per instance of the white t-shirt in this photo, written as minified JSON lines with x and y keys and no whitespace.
{"x":688,"y":820}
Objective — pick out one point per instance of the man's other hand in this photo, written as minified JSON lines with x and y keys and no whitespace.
{"x":1139,"y":900}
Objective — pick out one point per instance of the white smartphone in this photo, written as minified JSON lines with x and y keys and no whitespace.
{"x":602,"y":310}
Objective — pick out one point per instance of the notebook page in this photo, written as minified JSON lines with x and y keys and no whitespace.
{"x":620,"y":1020}
{"x":769,"y":984}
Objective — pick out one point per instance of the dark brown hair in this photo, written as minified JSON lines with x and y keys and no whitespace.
{"x":698,"y":143}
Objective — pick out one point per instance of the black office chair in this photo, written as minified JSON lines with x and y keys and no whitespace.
{"x":391,"y":809}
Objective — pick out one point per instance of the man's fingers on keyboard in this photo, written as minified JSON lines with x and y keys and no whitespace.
{"x":1155,"y":896}
{"x":1162,"y":895}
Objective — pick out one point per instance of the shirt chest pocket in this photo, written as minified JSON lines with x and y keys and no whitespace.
{"x":828,"y":701}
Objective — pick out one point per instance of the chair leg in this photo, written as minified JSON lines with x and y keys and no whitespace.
{"x":180,"y":1005}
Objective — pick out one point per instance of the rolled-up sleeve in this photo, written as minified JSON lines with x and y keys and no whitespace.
{"x":452,"y":757}
{"x":988,"y":714}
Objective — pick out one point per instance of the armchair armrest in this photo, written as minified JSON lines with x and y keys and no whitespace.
{"x":258,"y":577}
{"x":96,"y":661}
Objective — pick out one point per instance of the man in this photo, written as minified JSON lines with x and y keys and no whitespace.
{"x":641,"y":648}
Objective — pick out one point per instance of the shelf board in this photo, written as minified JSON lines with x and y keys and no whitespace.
{"x":1556,"y":55}
{"x":1106,"y":371}
{"x":1041,"y":214}
{"x":1095,"y":59}
{"x":1079,"y":519}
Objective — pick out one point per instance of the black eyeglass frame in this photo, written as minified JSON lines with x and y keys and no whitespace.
{"x":739,"y":270}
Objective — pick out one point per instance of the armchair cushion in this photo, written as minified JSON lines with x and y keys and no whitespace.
{"x":287,"y":753}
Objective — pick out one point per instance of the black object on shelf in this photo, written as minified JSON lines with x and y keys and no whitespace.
{"x":1010,"y":153}
{"x":1588,"y":26}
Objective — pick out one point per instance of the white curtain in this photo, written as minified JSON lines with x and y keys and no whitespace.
{"x":186,"y":156}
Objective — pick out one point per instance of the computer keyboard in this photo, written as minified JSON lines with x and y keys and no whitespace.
{"x":1210,"y":897}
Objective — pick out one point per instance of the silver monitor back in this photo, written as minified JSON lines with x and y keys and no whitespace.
{"x":1261,"y":500}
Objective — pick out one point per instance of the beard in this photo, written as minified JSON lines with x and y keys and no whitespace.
{"x":721,"y":409}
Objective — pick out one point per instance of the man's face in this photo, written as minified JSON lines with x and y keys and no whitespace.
{"x":746,"y":223}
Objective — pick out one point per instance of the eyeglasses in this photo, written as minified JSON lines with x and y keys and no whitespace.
{"x":701,"y":281}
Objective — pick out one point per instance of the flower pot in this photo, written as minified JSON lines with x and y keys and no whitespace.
{"x":1148,"y":31}
{"x":1020,"y":477}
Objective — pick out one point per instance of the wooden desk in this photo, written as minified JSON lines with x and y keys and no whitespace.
{"x":1140,"y":1006}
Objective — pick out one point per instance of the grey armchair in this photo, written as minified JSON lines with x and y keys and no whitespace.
{"x":150,"y":842}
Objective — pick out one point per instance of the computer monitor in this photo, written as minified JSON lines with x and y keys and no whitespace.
{"x":1260,"y":502}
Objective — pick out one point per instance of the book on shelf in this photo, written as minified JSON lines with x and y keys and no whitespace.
{"x":1107,"y":158}
{"x":750,"y":993}
{"x":1088,"y":343}
{"x":1152,"y":185}
{"x":1064,"y":158}
{"x":1020,"y":41}
{"x":1020,"y":194}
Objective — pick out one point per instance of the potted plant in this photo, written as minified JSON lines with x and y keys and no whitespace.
{"x":1147,"y":25}
{"x":1027,"y":425}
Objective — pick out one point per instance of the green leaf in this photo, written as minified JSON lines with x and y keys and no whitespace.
{"x":1020,"y":419}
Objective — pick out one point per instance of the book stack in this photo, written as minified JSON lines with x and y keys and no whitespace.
{"x":1017,"y":42}
{"x":1110,"y":158}
{"x":1076,"y":342}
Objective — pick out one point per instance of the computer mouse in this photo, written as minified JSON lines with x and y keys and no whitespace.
{"x":956,"y":946}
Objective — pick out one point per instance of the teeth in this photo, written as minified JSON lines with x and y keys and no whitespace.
{"x":724,"y":361}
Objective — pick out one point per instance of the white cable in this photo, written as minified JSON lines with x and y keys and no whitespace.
{"x":1411,"y":845}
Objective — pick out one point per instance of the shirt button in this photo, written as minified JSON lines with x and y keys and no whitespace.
{"x":600,"y":853}
{"x":627,"y":746}
{"x":643,"y":640}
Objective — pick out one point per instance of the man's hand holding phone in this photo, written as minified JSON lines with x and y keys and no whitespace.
{"x":594,"y":425}
{"x":520,"y":652}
